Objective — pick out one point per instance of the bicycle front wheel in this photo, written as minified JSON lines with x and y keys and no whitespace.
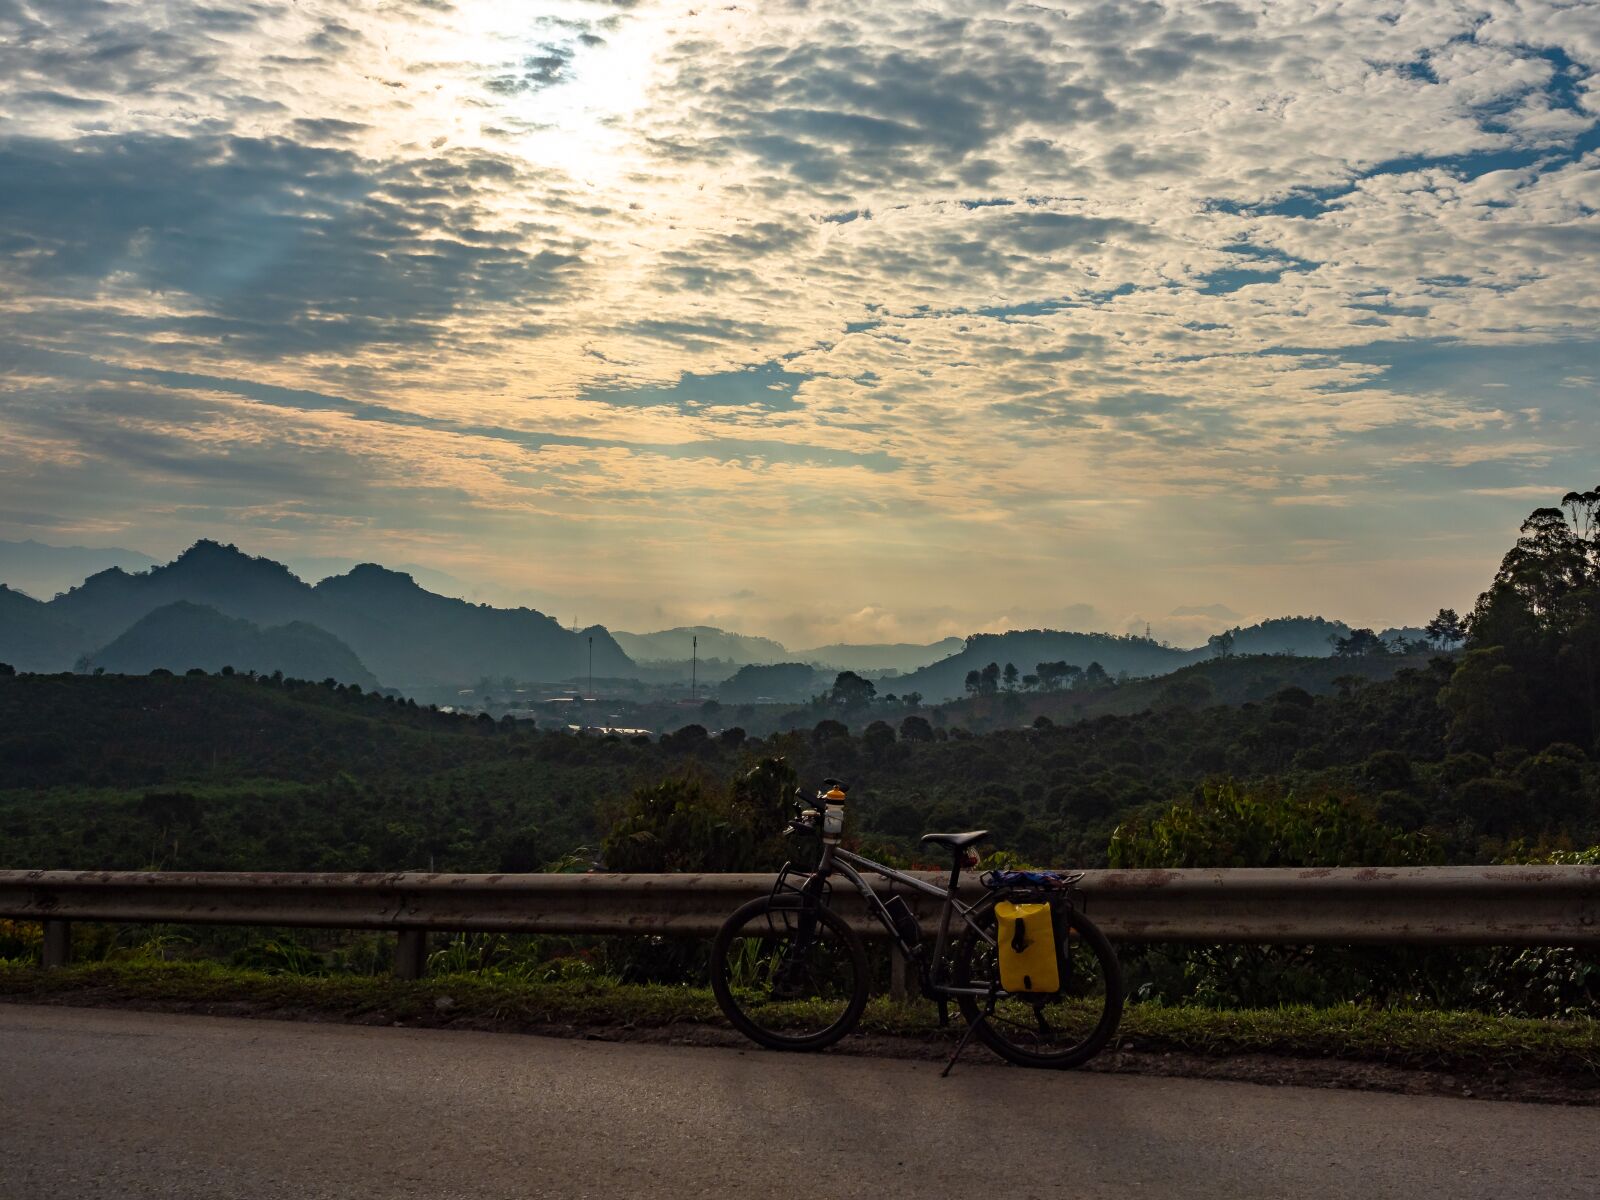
{"x":789,"y":973}
{"x":1064,"y":1029}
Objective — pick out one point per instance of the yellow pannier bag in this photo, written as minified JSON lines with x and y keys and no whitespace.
{"x":1027,"y":948}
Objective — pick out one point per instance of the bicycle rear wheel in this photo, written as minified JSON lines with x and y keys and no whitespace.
{"x":789,"y":973}
{"x":1064,"y":1029}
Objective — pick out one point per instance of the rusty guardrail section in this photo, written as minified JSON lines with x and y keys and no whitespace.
{"x":1499,"y":905}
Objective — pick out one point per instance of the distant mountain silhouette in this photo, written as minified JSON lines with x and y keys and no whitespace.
{"x":406,"y":635}
{"x":1308,"y":637}
{"x":42,"y":571}
{"x":410,"y":636}
{"x":221,"y":577}
{"x":181,"y":635}
{"x":1302,"y":637}
{"x":677,"y":645}
{"x":881,"y":656}
{"x":32,"y":638}
{"x":1026,"y":648}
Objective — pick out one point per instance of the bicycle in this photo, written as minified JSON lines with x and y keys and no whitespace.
{"x":790,"y":972}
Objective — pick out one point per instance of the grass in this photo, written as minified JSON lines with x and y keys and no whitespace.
{"x":1409,"y":1038}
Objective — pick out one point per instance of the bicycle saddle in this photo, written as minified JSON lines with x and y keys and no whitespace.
{"x":956,"y":841}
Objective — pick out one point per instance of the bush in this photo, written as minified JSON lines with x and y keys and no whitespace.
{"x":1231,"y":826}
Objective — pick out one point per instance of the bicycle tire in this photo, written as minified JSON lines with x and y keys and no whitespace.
{"x":1002,"y":1037}
{"x":744,"y":1016}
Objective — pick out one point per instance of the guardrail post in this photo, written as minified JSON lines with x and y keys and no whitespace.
{"x":411,"y":954}
{"x":899,"y":974}
{"x":57,"y":946}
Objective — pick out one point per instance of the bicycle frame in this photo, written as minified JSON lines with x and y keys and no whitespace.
{"x":834,"y":858}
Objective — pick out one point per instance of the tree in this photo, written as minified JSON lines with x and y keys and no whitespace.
{"x":1094,"y":675}
{"x":1446,"y":629}
{"x":829,"y":730}
{"x":1359,"y":642}
{"x":690,"y":737}
{"x":682,"y":824}
{"x":1544,"y":570}
{"x":916,"y":729}
{"x":974,"y":682}
{"x":1483,"y":700}
{"x":912,"y":699}
{"x":877,"y":738}
{"x":1221,"y":643}
{"x":1584,"y":509}
{"x":1543,"y":611}
{"x":991,"y":679}
{"x":851,"y":691}
{"x":523,"y":852}
{"x":1010,"y":676}
{"x":1051,"y":674}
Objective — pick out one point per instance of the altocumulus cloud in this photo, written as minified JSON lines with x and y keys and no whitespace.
{"x":1011,"y":285}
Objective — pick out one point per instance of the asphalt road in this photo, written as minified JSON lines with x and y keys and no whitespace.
{"x":106,"y":1103}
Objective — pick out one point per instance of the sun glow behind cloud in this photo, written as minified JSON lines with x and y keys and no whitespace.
{"x":1142,"y":306}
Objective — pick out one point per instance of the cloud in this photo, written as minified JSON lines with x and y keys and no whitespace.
{"x":982,"y":301}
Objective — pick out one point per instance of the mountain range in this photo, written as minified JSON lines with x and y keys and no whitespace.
{"x":387,"y":625}
{"x":215,"y":605}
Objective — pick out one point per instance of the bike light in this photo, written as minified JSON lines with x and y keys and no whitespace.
{"x":972,"y":858}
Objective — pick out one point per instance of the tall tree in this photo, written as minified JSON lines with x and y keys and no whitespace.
{"x":851,"y":691}
{"x":1359,"y":642}
{"x":1446,"y":629}
{"x":991,"y":679}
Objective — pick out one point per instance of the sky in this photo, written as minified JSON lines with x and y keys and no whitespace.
{"x":828,"y":321}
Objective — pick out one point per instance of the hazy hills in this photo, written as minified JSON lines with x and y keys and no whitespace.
{"x":880,"y":656}
{"x":202,"y":637}
{"x":41,"y":571}
{"x":371,"y":622}
{"x":1305,"y":637}
{"x":32,"y":637}
{"x":378,"y":623}
{"x":678,"y":645}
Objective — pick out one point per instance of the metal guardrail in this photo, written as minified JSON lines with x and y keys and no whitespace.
{"x":1498,"y":905}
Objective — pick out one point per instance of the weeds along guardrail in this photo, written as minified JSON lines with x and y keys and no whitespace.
{"x":1431,"y":906}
